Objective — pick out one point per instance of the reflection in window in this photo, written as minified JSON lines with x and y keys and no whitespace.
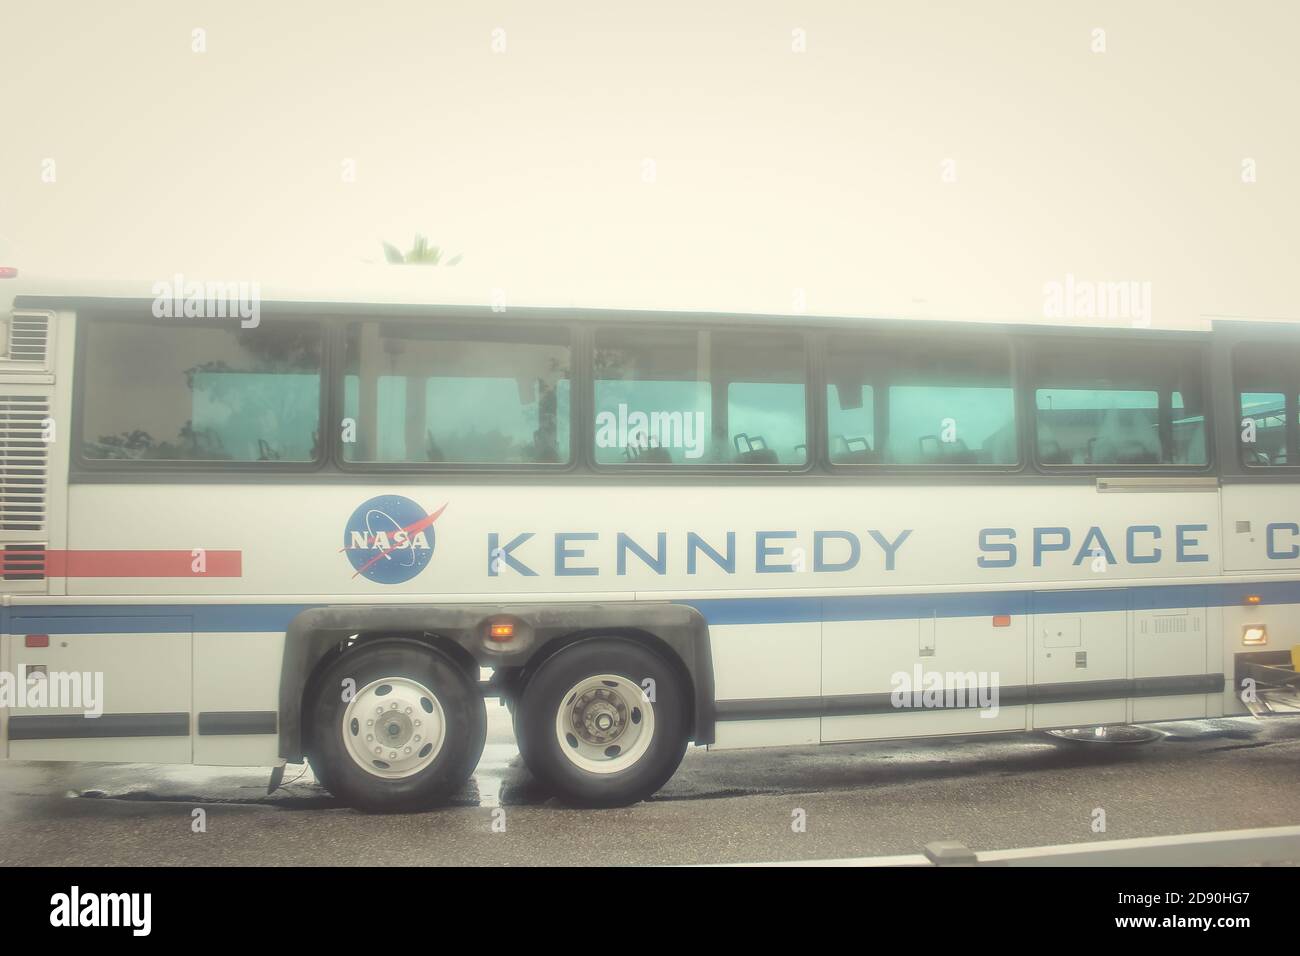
{"x":201,"y":390}
{"x":456,"y":394}
{"x":1129,"y":404}
{"x":685,"y":397}
{"x":891,"y":400}
{"x":1267,"y":378}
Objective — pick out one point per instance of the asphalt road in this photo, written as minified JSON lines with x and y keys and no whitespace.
{"x":722,"y":807}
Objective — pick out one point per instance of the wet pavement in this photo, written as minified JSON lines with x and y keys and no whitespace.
{"x":733,"y":806}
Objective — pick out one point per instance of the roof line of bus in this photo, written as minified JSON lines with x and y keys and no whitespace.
{"x":478,"y":311}
{"x":125,"y":296}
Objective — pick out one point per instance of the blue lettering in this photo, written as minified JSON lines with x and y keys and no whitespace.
{"x":563,"y":553}
{"x":658,"y":563}
{"x":1184,"y":541}
{"x":765,"y":552}
{"x":1007,"y":546}
{"x":498,"y":554}
{"x":855,"y":551}
{"x":889,"y":547}
{"x":1085,"y":551}
{"x":695,"y":543}
{"x":1273,"y":552}
{"x":1131,"y":544}
{"x":1041,"y":547}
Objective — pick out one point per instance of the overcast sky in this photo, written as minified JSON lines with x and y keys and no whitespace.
{"x":667,"y":154}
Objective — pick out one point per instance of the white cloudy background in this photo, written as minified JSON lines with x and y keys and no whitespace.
{"x":775,"y":170}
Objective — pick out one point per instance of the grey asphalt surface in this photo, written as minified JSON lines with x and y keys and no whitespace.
{"x":721,"y":807}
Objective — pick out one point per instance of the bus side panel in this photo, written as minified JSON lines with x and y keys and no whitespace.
{"x":876,"y":659}
{"x":1076,"y":652}
{"x":142,"y":665}
{"x":237,"y":690}
{"x":770,"y":662}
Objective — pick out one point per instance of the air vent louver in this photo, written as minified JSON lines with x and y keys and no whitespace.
{"x":29,"y":337}
{"x":24,"y":457}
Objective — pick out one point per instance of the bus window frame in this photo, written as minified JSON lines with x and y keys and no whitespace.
{"x":870,"y":334}
{"x":1290,"y":389}
{"x":361,"y":468}
{"x":709,"y":468}
{"x":127,"y":315}
{"x":1032,"y":344}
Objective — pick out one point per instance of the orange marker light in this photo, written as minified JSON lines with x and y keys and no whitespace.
{"x":501,"y":632}
{"x":1002,"y":620}
{"x":1252,"y":598}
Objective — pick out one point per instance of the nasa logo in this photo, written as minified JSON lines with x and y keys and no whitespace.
{"x":389,"y":539}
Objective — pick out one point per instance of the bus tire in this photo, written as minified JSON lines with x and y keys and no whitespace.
{"x":410,"y":733}
{"x":587,"y":730}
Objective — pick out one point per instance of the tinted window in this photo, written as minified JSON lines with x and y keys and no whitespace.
{"x":1267,"y":381}
{"x":457,"y":394}
{"x":926,"y":401}
{"x":201,"y":390}
{"x":690,"y":397}
{"x":1131,"y":403}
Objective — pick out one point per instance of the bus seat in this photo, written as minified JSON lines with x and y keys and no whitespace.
{"x":755,"y":451}
{"x":845,"y":452}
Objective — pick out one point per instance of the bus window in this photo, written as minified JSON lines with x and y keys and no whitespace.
{"x":897,"y":401}
{"x":851,"y":422}
{"x":1263,"y":428}
{"x":182,"y":390}
{"x":1265,"y":375}
{"x":422,"y":393}
{"x":1135,"y":404}
{"x":687,"y":397}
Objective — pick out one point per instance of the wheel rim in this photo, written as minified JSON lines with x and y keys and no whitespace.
{"x":394,"y":727}
{"x":604,"y":724}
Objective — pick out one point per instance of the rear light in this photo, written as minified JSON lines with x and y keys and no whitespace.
{"x":37,"y":640}
{"x":8,"y":272}
{"x":1254,"y":634}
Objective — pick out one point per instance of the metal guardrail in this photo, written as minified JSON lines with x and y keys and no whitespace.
{"x":1273,"y":845}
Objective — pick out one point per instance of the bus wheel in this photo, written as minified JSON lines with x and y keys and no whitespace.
{"x":410,"y":733}
{"x":588,"y":730}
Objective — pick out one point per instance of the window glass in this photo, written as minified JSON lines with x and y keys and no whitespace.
{"x":1263,"y":428}
{"x":688,"y":397}
{"x":1265,"y":375}
{"x":891,"y":400}
{"x":201,"y":390}
{"x":1134,"y":403}
{"x":850,"y":420}
{"x":422,"y":393}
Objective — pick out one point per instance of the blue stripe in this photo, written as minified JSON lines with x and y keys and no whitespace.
{"x":249,"y":618}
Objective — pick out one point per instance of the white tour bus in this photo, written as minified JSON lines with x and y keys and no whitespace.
{"x":302,"y":533}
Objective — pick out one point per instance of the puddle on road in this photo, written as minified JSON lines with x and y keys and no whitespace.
{"x":501,"y":779}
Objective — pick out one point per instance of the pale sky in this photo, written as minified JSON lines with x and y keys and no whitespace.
{"x":667,"y":155}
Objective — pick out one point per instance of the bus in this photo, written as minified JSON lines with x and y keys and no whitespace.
{"x":329,"y":528}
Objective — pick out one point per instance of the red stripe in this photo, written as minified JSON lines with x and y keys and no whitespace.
{"x":142,"y":564}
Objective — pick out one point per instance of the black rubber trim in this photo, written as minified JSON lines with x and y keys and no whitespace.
{"x":74,"y":726}
{"x":227,"y":723}
{"x":857,"y":705}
